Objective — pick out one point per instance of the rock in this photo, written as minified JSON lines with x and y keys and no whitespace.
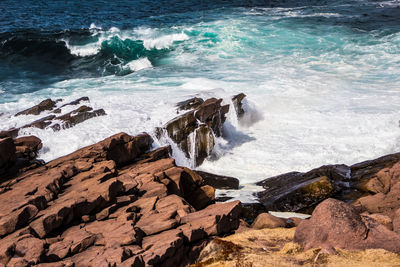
{"x":189,"y":104}
{"x":112,"y":203}
{"x":293,"y":222}
{"x":73,"y":103}
{"x":219,"y":181}
{"x":382,"y":219}
{"x":13,"y":133}
{"x":7,"y":153}
{"x":266,"y":220}
{"x":68,"y":120}
{"x":76,"y":116}
{"x":41,"y":123}
{"x":335,"y":224}
{"x":295,"y":191}
{"x":396,"y":221}
{"x":384,"y":199}
{"x":28,"y":146}
{"x":217,"y":218}
{"x":250,"y":211}
{"x":238,"y":105}
{"x":193,"y":131}
{"x":367,"y":169}
{"x":47,"y":104}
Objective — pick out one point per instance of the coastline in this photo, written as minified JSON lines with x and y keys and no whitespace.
{"x":123,"y":179}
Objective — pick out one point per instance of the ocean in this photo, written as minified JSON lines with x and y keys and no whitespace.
{"x":322,"y":78}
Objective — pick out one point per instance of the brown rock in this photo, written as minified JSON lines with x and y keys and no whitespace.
{"x":193,"y":131}
{"x":190,"y":103}
{"x":217,"y":218}
{"x":219,"y":181}
{"x":385,"y":201}
{"x":28,"y":146}
{"x":338,"y":225}
{"x":7,"y":153}
{"x":238,"y":105}
{"x":76,"y":116}
{"x":301,"y":192}
{"x":47,"y":104}
{"x":382,"y":219}
{"x":266,"y":220}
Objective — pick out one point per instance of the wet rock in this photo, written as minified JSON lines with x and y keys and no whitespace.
{"x":250,"y":211}
{"x":297,"y":191}
{"x":7,"y":152}
{"x":72,"y":103}
{"x":13,"y":133}
{"x":266,"y":220}
{"x":189,"y":104}
{"x":335,"y":224}
{"x":219,"y":181}
{"x":47,"y":104}
{"x":28,"y":146}
{"x":193,"y":131}
{"x":76,"y":116}
{"x":41,"y":123}
{"x":238,"y":105}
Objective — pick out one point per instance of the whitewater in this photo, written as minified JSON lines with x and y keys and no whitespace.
{"x":322,"y":84}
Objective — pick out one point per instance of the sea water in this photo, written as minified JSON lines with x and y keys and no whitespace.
{"x":322,"y":78}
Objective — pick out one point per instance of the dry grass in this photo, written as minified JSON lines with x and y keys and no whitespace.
{"x":275,"y":247}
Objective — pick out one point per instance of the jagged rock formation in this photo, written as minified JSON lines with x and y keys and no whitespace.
{"x":371,"y":186}
{"x":238,"y":105}
{"x":194,"y":131}
{"x":53,"y":121}
{"x":111,"y":203}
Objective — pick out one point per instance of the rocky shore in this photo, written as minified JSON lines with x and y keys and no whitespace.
{"x":122,"y":202}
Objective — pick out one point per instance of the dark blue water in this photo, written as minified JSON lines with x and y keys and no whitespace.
{"x":33,"y":53}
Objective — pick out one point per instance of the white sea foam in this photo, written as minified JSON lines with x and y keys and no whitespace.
{"x":83,"y":50}
{"x":165,"y":41}
{"x":139,"y":64}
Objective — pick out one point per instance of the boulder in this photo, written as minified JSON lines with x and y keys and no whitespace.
{"x":266,"y":220}
{"x":47,"y":104}
{"x":335,"y":224}
{"x":219,"y":181}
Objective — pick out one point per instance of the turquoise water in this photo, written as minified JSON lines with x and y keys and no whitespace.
{"x":322,"y":77}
